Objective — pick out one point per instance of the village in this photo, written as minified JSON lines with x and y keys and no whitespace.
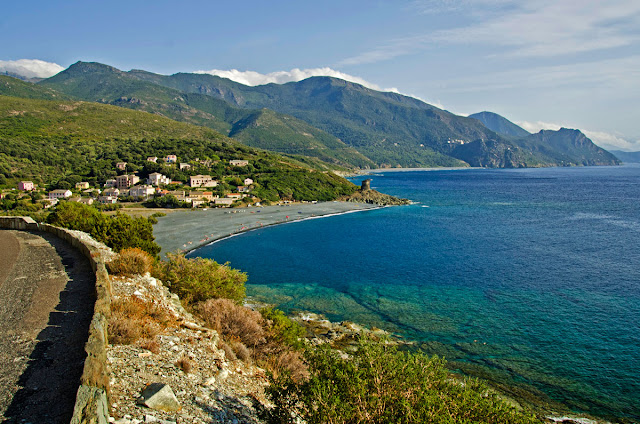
{"x":155,"y":190}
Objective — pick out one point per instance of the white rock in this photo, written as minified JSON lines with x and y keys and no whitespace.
{"x":223,"y":374}
{"x":160,"y":397}
{"x":210,"y":381}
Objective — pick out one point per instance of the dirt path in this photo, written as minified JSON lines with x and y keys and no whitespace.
{"x":46,"y":305}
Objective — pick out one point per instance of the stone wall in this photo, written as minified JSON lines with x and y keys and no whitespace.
{"x":91,"y":400}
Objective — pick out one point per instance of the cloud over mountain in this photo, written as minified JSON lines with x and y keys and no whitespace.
{"x":30,"y":68}
{"x":253,"y":78}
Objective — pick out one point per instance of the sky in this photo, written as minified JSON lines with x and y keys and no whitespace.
{"x":539,"y":63}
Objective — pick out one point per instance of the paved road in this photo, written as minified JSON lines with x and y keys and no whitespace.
{"x":46,"y":305}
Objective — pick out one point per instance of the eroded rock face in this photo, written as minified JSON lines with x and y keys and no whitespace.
{"x":160,"y":397}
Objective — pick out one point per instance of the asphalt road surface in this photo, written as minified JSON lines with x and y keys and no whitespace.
{"x":46,"y":305}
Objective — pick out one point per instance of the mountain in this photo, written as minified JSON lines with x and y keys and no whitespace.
{"x":10,"y":86}
{"x":275,"y":132}
{"x":57,"y":142}
{"x":628,"y":157}
{"x":339,"y":122}
{"x":568,"y":147}
{"x":499,"y":124}
{"x":390,"y":128}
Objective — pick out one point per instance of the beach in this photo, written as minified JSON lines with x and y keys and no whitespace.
{"x":186,"y":230}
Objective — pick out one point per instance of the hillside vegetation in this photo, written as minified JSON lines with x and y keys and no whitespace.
{"x":49,"y":141}
{"x":263,"y":129}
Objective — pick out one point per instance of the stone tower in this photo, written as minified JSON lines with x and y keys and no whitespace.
{"x":366,"y":185}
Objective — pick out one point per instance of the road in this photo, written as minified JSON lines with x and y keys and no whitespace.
{"x":46,"y":306}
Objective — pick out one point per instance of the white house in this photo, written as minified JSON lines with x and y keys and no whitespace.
{"x":114,"y":192}
{"x":223,"y":201}
{"x":202,"y":181}
{"x":121,"y":165}
{"x":238,"y":162}
{"x":110,"y":183}
{"x":153,"y":159}
{"x":248,"y":181}
{"x":108,"y":199}
{"x":185,"y":166}
{"x":59,"y":194}
{"x":142,"y":191}
{"x":157,"y":179}
{"x":82,"y":185}
{"x":171,"y":159}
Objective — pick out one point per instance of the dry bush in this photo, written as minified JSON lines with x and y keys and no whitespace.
{"x":228,"y":352}
{"x":242,"y":352}
{"x":131,"y":261}
{"x":185,"y":364}
{"x":133,"y":319}
{"x":233,"y":321}
{"x":151,"y":345}
{"x":287,"y":362}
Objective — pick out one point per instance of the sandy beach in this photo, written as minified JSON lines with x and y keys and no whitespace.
{"x":186,"y":230}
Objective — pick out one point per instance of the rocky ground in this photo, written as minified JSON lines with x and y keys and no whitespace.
{"x":186,"y":357}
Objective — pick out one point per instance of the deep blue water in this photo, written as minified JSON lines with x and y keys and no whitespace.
{"x":522,"y":276}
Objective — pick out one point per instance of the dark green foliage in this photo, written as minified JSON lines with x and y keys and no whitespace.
{"x":380,"y":385}
{"x":264,"y":129}
{"x":118,"y":231}
{"x":197,"y":280}
{"x":282,"y":329}
{"x":61,"y":143}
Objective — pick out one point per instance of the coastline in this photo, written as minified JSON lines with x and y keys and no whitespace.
{"x":184,"y":231}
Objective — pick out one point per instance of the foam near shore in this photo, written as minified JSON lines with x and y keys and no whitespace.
{"x":187,"y":230}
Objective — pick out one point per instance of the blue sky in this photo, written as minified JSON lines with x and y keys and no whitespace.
{"x":543,"y":64}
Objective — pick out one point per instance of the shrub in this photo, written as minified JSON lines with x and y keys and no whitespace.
{"x":197,"y":280}
{"x":131,"y":261}
{"x":282,"y":329}
{"x":118,"y":231}
{"x":233,"y":321}
{"x":133,"y":319}
{"x":379,"y":384}
{"x":185,"y":364}
{"x":151,"y":345}
{"x":241,"y":351}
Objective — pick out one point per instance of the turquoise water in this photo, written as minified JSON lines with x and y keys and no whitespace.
{"x":528,"y":277}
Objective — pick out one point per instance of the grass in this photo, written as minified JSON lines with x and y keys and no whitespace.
{"x":133,"y":319}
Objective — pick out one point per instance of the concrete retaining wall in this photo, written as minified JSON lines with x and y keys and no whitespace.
{"x":92,"y":405}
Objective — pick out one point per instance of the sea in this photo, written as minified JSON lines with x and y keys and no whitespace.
{"x":528,"y":278}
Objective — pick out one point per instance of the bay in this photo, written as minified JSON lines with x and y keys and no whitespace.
{"x":529,"y":278}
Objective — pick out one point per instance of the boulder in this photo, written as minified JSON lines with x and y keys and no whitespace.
{"x":159,"y":396}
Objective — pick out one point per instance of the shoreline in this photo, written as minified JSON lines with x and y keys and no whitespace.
{"x":184,"y":230}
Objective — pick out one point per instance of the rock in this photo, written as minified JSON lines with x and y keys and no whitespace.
{"x":223,"y":374}
{"x":210,"y":381}
{"x":160,"y":397}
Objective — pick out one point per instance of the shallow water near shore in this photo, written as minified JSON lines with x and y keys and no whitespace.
{"x":526,"y":277}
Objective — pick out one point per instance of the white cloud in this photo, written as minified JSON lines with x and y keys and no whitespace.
{"x":534,"y":127}
{"x":612,"y":141}
{"x":30,"y":68}
{"x":535,"y":28}
{"x":253,"y":78}
{"x":603,"y":139}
